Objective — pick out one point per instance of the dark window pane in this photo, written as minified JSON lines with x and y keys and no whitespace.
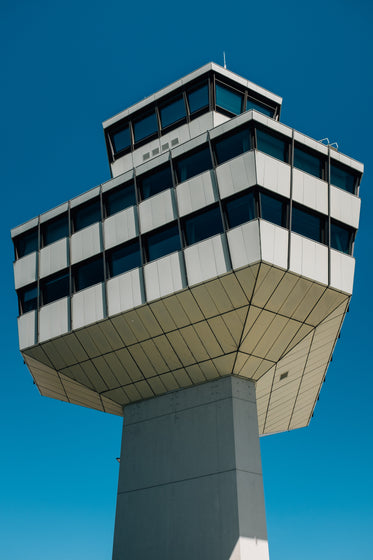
{"x":307,"y":224}
{"x":28,"y":299}
{"x":198,"y":98}
{"x":172,"y":112}
{"x":27,"y":243}
{"x":196,"y":163}
{"x":250,"y":104}
{"x":121,"y":139}
{"x":123,"y":259}
{"x":145,"y":127}
{"x":55,"y":230}
{"x":341,"y":238}
{"x":307,"y":162}
{"x":55,"y":288}
{"x":228,"y":99}
{"x":86,"y":215}
{"x":272,"y":145}
{"x":343,"y":179}
{"x":162,"y":242}
{"x":119,"y":199}
{"x":232,"y":146}
{"x":88,"y":274}
{"x":155,"y":182}
{"x":273,"y":210}
{"x":203,"y":225}
{"x":240,"y":209}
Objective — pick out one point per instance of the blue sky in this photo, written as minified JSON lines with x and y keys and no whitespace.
{"x":65,"y":68}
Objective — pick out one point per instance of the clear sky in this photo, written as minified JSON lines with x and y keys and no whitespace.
{"x":65,"y":68}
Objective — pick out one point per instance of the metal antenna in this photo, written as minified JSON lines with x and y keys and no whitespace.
{"x":225,"y":64}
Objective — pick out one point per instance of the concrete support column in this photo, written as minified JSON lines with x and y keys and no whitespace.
{"x":190,"y":481}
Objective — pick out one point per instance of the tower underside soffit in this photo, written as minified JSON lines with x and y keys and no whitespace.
{"x":260,"y":322}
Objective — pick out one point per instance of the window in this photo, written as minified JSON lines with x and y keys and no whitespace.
{"x":273,"y":209}
{"x":342,"y":178}
{"x":55,"y":229}
{"x":272,"y":145}
{"x":147,"y":126}
{"x":121,"y":139}
{"x":232,"y":146}
{"x":341,"y":237}
{"x":28,"y":299}
{"x":26,"y":243}
{"x":172,"y":112}
{"x":119,"y":199}
{"x":124,"y":258}
{"x":202,"y":225}
{"x":162,"y":242}
{"x":251,"y":104}
{"x":88,"y":274}
{"x":193,"y":164}
{"x":55,"y":288}
{"x":198,"y":98}
{"x":155,"y":182}
{"x":240,"y":209}
{"x":84,"y":216}
{"x":228,"y":99}
{"x":308,"y":224}
{"x":307,"y":162}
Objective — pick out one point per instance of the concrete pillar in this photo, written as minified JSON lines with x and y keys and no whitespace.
{"x":190,"y":481}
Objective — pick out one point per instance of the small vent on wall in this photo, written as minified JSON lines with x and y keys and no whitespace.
{"x":146,"y":156}
{"x":284,"y":375}
{"x":164,"y":147}
{"x":174,"y":142}
{"x":155,"y":151}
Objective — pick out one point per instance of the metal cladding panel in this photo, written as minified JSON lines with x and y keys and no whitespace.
{"x":157,"y":211}
{"x":344,"y":207}
{"x":125,"y":291}
{"x":206,"y":259}
{"x":86,"y":243}
{"x":342,"y":269}
{"x":88,"y":306}
{"x":308,"y":258}
{"x":164,"y":276}
{"x":120,"y":227}
{"x":54,"y":319}
{"x":27,"y":330}
{"x":54,"y":257}
{"x":244,"y":244}
{"x":310,"y":191}
{"x":25,"y":270}
{"x":274,"y":241}
{"x":272,"y":174}
{"x":237,"y":174}
{"x":198,"y":192}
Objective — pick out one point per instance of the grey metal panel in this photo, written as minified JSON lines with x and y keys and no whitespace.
{"x":30,"y":224}
{"x":157,"y":210}
{"x":125,"y":291}
{"x":121,"y":227}
{"x":86,"y":243}
{"x":244,"y":244}
{"x":88,"y":306}
{"x":164,"y":276}
{"x":310,"y":191}
{"x":88,"y":195}
{"x":54,"y":319}
{"x":344,"y":206}
{"x":54,"y":212}
{"x":196,"y":193}
{"x":27,"y":329}
{"x":342,"y":269}
{"x":54,"y":257}
{"x":116,"y":181}
{"x":237,"y":174}
{"x":274,"y":242}
{"x":190,"y":145}
{"x":206,"y":259}
{"x":25,"y":270}
{"x":308,"y":258}
{"x":272,"y":174}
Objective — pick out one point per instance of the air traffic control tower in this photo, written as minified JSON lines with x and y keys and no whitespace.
{"x":199,"y":293}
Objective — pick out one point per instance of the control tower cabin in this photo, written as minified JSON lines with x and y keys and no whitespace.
{"x":199,"y":293}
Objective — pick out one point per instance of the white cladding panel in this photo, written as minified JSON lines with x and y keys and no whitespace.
{"x":310,"y":191}
{"x":237,"y":174}
{"x":164,"y":276}
{"x":273,"y":174}
{"x":27,"y":330}
{"x":196,"y":193}
{"x":201,"y":124}
{"x":25,"y":270}
{"x":88,"y":306}
{"x":86,"y":243}
{"x":344,"y":207}
{"x":121,"y":165}
{"x":206,"y":259}
{"x":274,"y":241}
{"x":120,"y":227}
{"x":54,"y":319}
{"x":157,"y":210}
{"x":342,"y":269}
{"x":244,"y":244}
{"x":54,"y":257}
{"x":309,"y":258}
{"x":125,"y":291}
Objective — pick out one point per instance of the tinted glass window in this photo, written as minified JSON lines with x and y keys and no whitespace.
{"x":28,"y":299}
{"x":55,"y":230}
{"x":341,"y":238}
{"x":307,"y":162}
{"x":240,"y":209}
{"x":273,"y":210}
{"x":343,"y":179}
{"x":232,"y":146}
{"x":27,"y":243}
{"x":191,"y":165}
{"x":88,"y":274}
{"x":55,"y":288}
{"x":86,"y":215}
{"x":198,"y":98}
{"x":272,"y":145}
{"x":203,"y":225}
{"x":119,"y":199}
{"x":155,"y":182}
{"x":307,"y":224}
{"x":162,"y":242}
{"x":250,"y":104}
{"x":145,"y":127}
{"x":121,"y":139}
{"x":172,"y":112}
{"x":228,"y":99}
{"x":123,"y":259}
